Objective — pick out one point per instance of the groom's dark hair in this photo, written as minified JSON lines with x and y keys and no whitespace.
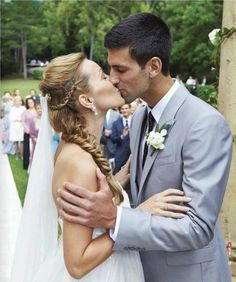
{"x":146,"y":35}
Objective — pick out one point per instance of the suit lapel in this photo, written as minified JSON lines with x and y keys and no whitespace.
{"x":168,"y":116}
{"x":136,"y":133}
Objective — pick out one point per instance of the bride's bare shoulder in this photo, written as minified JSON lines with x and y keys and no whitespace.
{"x":75,"y":165}
{"x":71,"y":154}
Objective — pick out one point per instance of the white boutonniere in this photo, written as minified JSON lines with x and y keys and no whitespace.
{"x":156,"y":138}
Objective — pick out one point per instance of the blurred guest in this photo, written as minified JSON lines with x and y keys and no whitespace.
{"x":16,"y":131}
{"x":141,"y":102}
{"x":28,"y":117}
{"x":204,"y":80}
{"x":120,"y":136}
{"x":134,"y":106}
{"x":16,"y":92}
{"x":190,"y":81}
{"x":108,"y":146}
{"x":194,"y":87}
{"x":178,"y":78}
{"x":137,"y":103}
{"x":34,"y":130}
{"x":34,"y":96}
{"x":7,"y":100}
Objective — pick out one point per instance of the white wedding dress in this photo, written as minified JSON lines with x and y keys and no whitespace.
{"x":121,"y":266}
{"x":39,"y":253}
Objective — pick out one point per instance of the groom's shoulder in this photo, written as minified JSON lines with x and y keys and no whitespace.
{"x":195,"y":112}
{"x":198,"y":108}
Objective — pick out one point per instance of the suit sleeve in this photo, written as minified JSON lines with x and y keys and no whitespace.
{"x":206,"y":156}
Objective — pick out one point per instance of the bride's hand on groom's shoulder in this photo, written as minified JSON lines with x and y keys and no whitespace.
{"x":123,"y":175}
{"x":168,"y":203}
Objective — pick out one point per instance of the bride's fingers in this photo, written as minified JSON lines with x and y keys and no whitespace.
{"x":102,"y":181}
{"x":171,"y":214}
{"x":173,"y":207}
{"x":172,"y":199}
{"x":172,"y":191}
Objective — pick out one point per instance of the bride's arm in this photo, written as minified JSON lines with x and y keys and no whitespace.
{"x":81,"y":252}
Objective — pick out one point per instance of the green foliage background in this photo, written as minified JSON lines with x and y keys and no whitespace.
{"x":51,"y":28}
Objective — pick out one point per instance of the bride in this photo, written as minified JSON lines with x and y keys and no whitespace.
{"x":78,"y":95}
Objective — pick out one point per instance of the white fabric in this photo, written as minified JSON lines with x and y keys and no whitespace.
{"x":37,"y":236}
{"x":10,"y":213}
{"x":121,"y":266}
{"x":39,"y":255}
{"x":113,"y":232}
{"x":157,"y":111}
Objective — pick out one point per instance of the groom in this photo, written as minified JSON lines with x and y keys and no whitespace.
{"x":194,"y":155}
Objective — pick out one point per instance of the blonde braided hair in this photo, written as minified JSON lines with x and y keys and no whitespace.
{"x":63,"y":83}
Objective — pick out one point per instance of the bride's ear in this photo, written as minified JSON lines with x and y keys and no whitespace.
{"x":85,"y":101}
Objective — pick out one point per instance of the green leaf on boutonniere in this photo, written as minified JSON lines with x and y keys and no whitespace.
{"x":165,"y":126}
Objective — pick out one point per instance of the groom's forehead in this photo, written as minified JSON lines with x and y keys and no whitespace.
{"x":118,"y":53}
{"x":118,"y":56}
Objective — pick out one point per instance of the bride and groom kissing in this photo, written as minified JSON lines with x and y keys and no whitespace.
{"x":170,"y":234}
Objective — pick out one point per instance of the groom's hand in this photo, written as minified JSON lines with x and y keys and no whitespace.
{"x":93,"y":209}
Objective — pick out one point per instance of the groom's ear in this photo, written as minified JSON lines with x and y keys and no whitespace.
{"x":154,"y":66}
{"x":85,"y":101}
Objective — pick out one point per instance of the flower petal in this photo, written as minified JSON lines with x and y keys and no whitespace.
{"x":162,"y":146}
{"x":164,"y":132}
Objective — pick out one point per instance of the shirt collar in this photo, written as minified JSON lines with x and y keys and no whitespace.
{"x":159,"y":108}
{"x":128,"y":118}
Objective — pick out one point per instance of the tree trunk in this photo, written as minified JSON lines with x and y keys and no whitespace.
{"x":227,"y":106}
{"x":91,"y":46}
{"x":24,"y":53}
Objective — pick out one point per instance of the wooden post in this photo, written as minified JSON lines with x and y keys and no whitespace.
{"x":227,"y":106}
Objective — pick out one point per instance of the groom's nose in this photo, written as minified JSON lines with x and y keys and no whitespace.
{"x":114,"y":79}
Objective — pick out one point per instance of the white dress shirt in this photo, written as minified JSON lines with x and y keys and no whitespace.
{"x":128,"y":119}
{"x":156,"y":112}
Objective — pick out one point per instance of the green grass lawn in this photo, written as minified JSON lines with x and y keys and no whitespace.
{"x":20,"y":176}
{"x":23,"y":85}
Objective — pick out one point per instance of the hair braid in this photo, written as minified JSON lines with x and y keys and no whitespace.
{"x":88,"y":143}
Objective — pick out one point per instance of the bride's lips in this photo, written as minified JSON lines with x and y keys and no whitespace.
{"x":121,"y":93}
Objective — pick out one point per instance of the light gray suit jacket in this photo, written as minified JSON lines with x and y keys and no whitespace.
{"x":196,"y":159}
